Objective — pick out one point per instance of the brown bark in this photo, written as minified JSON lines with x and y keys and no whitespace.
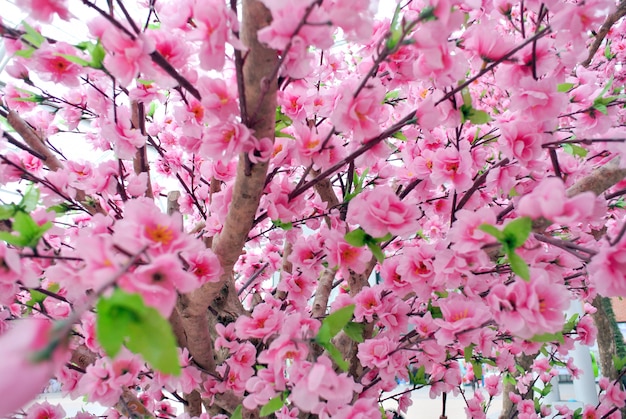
{"x":606,"y":340}
{"x":260,"y":95}
{"x":600,"y":179}
{"x":140,"y":162}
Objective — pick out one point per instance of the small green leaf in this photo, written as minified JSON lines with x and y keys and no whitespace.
{"x":30,"y":199}
{"x":548,"y":337}
{"x":478,"y":369}
{"x":619,"y":363}
{"x":7,"y":211}
{"x":468,"y":352}
{"x":509,"y":379}
{"x":418,"y":377}
{"x":571,"y":323}
{"x":32,"y":35}
{"x":475,"y":116}
{"x":376,"y":251}
{"x":284,"y":226}
{"x":355,"y":331}
{"x":29,"y":232}
{"x":516,"y":232}
{"x":575,"y":150}
{"x":400,"y":136}
{"x":518,"y":266}
{"x":237,"y":413}
{"x":337,"y":320}
{"x":493,"y":231}
{"x":25,"y":53}
{"x":600,"y":107}
{"x":395,"y":30}
{"x":479,"y":117}
{"x":273,"y":405}
{"x":124,"y":318}
{"x":59,"y":209}
{"x":336,"y":355}
{"x":467,"y":97}
{"x":564,"y":87}
{"x":97,"y":55}
{"x":279,"y":134}
{"x":427,"y":14}
{"x":356,"y":238}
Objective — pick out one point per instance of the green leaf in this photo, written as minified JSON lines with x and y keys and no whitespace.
{"x":30,"y":199}
{"x":334,"y":322}
{"x":509,"y":379}
{"x":395,"y":30}
{"x":74,"y":59}
{"x":376,"y":251}
{"x":607,"y":51}
{"x":400,"y":136}
{"x":280,"y":134}
{"x":32,"y":35}
{"x":475,"y":116}
{"x":151,"y":109}
{"x":516,"y":232}
{"x":284,"y":226}
{"x":518,"y":265}
{"x":564,"y":87}
{"x":575,"y":150}
{"x":29,"y":232}
{"x":7,"y":211}
{"x":493,"y":231}
{"x":336,"y":355}
{"x":25,"y":53}
{"x":479,"y":117}
{"x":237,"y":413}
{"x":418,"y":377}
{"x":571,"y":323}
{"x":468,"y":352}
{"x":427,"y":14}
{"x":478,"y":369}
{"x":124,"y":318}
{"x":467,"y":97}
{"x":356,"y":238}
{"x":97,"y":55}
{"x":355,"y":331}
{"x":59,"y":209}
{"x":619,"y":363}
{"x":548,"y":337}
{"x":600,"y":107}
{"x":273,"y":405}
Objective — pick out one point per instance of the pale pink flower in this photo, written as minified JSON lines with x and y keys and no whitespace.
{"x":52,"y":66}
{"x":374,"y":353}
{"x":465,"y":234}
{"x":361,"y":114}
{"x":44,"y":10}
{"x":45,"y":410}
{"x":607,"y":270}
{"x":320,"y":385}
{"x":344,"y":255}
{"x":538,"y":100}
{"x":530,"y":308}
{"x":379,"y":211}
{"x":586,"y":331}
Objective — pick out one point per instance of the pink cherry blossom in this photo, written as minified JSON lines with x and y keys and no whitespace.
{"x":380,"y":212}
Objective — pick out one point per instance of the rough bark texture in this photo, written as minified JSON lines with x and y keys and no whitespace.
{"x":600,"y":179}
{"x":260,"y":97}
{"x":606,"y":339}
